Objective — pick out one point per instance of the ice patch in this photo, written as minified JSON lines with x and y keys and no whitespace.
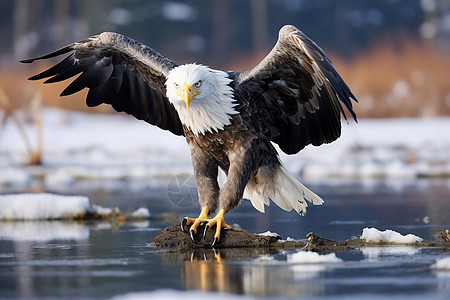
{"x":373,"y":235}
{"x":308,"y":257}
{"x":442,"y":264}
{"x":42,"y":206}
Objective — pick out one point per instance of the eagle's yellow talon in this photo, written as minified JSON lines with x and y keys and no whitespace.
{"x":219,"y":222}
{"x":185,"y":222}
{"x":203,"y":217}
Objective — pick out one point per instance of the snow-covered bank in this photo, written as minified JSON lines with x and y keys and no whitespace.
{"x":85,"y":146}
{"x":381,"y":148}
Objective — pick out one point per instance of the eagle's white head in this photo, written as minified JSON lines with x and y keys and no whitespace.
{"x":202,"y":97}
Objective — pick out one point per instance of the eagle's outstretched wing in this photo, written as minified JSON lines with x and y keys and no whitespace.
{"x":297,"y":91}
{"x":118,"y":71}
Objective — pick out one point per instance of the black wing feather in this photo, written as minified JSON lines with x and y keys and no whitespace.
{"x":118,"y":71}
{"x":298,"y":91}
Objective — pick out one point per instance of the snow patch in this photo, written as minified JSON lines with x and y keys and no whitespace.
{"x":42,"y":206}
{"x":269,"y":233}
{"x":17,"y":207}
{"x":308,"y":257}
{"x":373,"y":235}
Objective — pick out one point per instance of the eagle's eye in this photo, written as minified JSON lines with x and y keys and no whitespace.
{"x":176,"y":85}
{"x":198,"y":84}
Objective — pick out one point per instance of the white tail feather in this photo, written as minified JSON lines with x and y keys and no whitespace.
{"x":283,"y":189}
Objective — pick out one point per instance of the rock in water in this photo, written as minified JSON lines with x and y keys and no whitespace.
{"x":173,"y":237}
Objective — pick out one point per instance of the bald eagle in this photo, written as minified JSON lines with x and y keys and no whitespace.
{"x":231,"y":120}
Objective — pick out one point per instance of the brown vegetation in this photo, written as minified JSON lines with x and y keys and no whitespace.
{"x":411,"y":80}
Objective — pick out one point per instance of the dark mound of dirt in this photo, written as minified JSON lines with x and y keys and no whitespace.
{"x":173,"y":237}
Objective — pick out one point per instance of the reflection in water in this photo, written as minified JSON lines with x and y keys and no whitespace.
{"x":249,"y":271}
{"x":206,"y":271}
{"x":43,"y":231}
{"x":37,"y":243}
{"x":375,"y":253}
{"x":95,"y":260}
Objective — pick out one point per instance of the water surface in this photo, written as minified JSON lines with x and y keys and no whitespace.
{"x":99,"y":260}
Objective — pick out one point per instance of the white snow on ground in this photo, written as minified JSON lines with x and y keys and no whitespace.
{"x":442,"y":264}
{"x":82,"y":146}
{"x":269,"y":233}
{"x":379,"y":148}
{"x":373,"y":235}
{"x":41,"y":206}
{"x":46,"y":206}
{"x":308,"y":257}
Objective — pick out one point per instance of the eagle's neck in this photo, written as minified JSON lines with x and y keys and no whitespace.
{"x":211,"y":111}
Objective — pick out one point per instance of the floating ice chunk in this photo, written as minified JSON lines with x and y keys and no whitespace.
{"x":373,"y":235}
{"x":309,"y":257}
{"x":269,"y":233}
{"x":141,"y":213}
{"x":442,"y":264}
{"x":42,"y":206}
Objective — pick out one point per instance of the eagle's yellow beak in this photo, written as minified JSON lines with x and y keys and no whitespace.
{"x":186,"y":93}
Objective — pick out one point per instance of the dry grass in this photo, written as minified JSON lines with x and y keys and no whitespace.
{"x":411,"y":80}
{"x":20,"y":90}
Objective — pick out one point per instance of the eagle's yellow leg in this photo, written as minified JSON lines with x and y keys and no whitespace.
{"x":203,"y":217}
{"x":219,"y":221}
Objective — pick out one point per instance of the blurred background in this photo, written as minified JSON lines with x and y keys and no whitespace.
{"x":394,"y":54}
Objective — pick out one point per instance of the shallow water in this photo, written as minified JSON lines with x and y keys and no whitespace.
{"x":98,"y":260}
